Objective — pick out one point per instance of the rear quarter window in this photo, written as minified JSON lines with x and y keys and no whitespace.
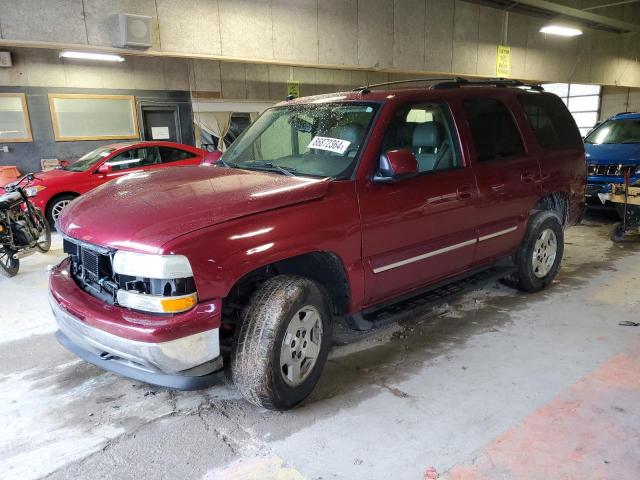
{"x":551,"y":121}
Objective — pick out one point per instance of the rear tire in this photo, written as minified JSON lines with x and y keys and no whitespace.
{"x":44,"y":241}
{"x":540,"y":253}
{"x":283,"y":343}
{"x":9,"y":266}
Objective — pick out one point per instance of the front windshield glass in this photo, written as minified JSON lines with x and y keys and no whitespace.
{"x":316,"y":140}
{"x":616,"y":131}
{"x":87,"y":161}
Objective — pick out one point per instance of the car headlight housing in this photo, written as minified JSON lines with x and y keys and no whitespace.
{"x":155,"y":283}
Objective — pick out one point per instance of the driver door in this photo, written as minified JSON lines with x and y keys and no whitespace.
{"x":420,"y":230}
{"x":129,"y":161}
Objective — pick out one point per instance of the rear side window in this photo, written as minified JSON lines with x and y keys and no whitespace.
{"x":494,"y":132}
{"x":553,"y":124}
{"x":174,"y":154}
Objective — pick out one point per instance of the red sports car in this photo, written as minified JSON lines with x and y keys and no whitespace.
{"x":55,"y":189}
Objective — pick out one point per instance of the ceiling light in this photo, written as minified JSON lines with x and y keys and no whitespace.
{"x":93,"y":56}
{"x":562,"y":30}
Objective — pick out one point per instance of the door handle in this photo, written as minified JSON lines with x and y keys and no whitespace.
{"x":465,"y":192}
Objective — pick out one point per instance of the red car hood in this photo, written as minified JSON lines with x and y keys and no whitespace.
{"x":52,"y":177}
{"x":143,"y":211}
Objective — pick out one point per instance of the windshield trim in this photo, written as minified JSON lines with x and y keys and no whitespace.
{"x":358,"y":157}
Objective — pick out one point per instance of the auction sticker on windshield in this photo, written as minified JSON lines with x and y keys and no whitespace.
{"x":335,"y":145}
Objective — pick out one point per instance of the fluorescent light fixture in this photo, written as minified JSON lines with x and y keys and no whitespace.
{"x":105,"y":57}
{"x":561,"y":30}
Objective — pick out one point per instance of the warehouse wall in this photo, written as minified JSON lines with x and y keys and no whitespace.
{"x":402,"y":35}
{"x":619,"y":99}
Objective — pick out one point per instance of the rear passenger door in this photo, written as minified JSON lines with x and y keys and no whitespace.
{"x":508,"y":175}
{"x":560,"y":147}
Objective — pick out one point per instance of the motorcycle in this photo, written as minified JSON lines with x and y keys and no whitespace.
{"x":23,"y":228}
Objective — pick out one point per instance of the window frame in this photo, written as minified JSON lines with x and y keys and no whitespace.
{"x":25,"y":118}
{"x":518,"y":127}
{"x":82,"y":96}
{"x":137,"y":166}
{"x":451,"y":125}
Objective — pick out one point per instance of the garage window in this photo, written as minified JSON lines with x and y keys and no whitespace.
{"x":93,"y":117}
{"x":583,"y":101}
{"x":14,"y":118}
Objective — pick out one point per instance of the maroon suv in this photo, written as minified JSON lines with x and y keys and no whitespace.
{"x":327,"y":207}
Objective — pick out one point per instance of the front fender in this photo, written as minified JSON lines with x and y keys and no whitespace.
{"x":222,"y":254}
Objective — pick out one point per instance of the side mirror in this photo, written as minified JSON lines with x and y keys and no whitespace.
{"x":211,"y":157}
{"x":395,"y":165}
{"x":105,"y":169}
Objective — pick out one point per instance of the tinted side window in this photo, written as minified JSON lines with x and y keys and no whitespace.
{"x":134,"y":158}
{"x":494,"y":132}
{"x":550,"y":119}
{"x":423,"y":128}
{"x":174,"y":154}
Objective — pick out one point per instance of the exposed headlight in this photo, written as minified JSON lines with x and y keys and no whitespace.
{"x":156,"y":303}
{"x":33,"y":191}
{"x":151,"y":266}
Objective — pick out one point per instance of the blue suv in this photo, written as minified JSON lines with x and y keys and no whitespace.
{"x":611,"y":148}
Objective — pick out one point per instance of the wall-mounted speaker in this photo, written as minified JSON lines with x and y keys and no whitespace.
{"x":135,"y":30}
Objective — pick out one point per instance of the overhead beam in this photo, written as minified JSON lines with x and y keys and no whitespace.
{"x":574,"y":13}
{"x":609,"y":5}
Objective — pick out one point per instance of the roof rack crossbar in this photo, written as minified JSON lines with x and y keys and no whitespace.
{"x":366,"y":88}
{"x":497,"y":82}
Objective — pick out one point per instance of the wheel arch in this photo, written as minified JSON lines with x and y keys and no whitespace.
{"x":557,"y":202}
{"x":324,"y":267}
{"x":58,"y":195}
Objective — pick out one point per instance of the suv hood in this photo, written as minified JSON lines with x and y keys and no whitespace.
{"x":625,"y":153}
{"x":144,"y":210}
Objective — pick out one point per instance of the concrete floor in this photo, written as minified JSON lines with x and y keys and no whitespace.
{"x":494,"y":385}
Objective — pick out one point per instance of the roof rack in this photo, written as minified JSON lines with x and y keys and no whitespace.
{"x":367,"y":88}
{"x":496,"y":82}
{"x":455,"y":82}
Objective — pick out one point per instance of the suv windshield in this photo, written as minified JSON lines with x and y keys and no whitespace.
{"x":316,"y":139}
{"x":616,"y":131}
{"x":87,"y":161}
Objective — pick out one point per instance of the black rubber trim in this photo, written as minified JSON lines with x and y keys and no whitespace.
{"x":177,"y":382}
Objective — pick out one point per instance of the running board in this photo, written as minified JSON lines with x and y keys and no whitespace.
{"x":356,"y":326}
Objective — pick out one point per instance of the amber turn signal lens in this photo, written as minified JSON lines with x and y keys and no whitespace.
{"x":180,"y":304}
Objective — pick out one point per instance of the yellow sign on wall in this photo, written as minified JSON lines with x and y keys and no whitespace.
{"x":293,"y":89}
{"x":503,"y":61}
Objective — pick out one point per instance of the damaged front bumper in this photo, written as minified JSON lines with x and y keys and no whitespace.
{"x":189,"y":362}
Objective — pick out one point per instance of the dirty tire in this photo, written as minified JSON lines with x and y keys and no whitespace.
{"x":617,"y":233}
{"x":524,"y":278}
{"x":255,"y":360}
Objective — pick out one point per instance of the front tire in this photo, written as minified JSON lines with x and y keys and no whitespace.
{"x":540,"y":253}
{"x":283,"y":343}
{"x":9,"y":266}
{"x":56,"y":206}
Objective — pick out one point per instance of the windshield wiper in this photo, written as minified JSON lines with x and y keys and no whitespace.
{"x":288,"y":171}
